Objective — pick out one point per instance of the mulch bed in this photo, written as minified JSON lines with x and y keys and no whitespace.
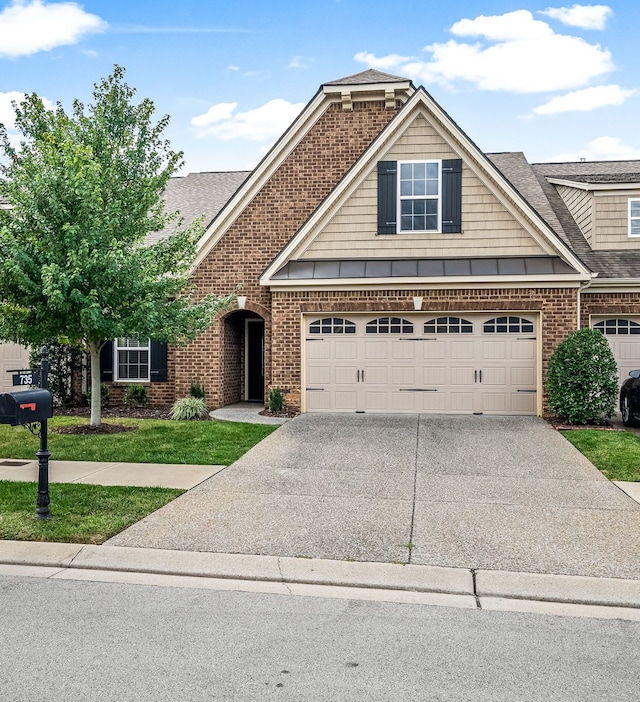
{"x":110,"y":412}
{"x":560,"y":425}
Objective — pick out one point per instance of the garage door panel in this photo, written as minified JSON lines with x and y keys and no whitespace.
{"x":318,"y":401}
{"x":468,"y":363}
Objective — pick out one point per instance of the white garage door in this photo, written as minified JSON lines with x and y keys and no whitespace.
{"x":12,"y":357}
{"x":450,"y":363}
{"x":623,"y":335}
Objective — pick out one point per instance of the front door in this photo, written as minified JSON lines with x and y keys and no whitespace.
{"x":254,"y":365}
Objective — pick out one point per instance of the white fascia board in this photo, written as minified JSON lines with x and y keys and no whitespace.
{"x":592,"y":187}
{"x":601,"y":285}
{"x":260,"y":175}
{"x":484,"y":170}
{"x":444,"y":282}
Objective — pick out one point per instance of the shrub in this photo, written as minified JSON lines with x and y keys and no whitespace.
{"x":136,"y":395}
{"x":582,"y":381}
{"x":276,"y":400}
{"x":197,"y":390}
{"x":188,"y":408}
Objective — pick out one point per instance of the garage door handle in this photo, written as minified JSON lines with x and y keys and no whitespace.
{"x":418,"y":389}
{"x":315,"y":389}
{"x":475,"y":376}
{"x":518,"y":390}
{"x":480,"y":376}
{"x":357,"y":376}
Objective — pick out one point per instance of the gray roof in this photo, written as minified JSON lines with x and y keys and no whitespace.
{"x":369,"y":76}
{"x":198,"y":195}
{"x":306,"y":269}
{"x":531,"y":180}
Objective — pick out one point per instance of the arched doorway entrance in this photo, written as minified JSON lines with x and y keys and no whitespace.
{"x":243,"y":357}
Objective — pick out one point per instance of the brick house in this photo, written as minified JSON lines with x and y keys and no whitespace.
{"x":389,"y":265}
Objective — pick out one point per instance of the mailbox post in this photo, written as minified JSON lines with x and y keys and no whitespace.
{"x":29,"y":407}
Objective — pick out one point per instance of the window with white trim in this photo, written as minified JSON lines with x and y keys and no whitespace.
{"x":131,"y":359}
{"x":419,"y":195}
{"x":634,"y":217}
{"x":618,"y":327}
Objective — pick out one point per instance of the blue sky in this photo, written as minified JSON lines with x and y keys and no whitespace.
{"x":557,"y":81}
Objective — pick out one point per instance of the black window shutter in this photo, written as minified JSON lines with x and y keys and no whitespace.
{"x":158,"y":361}
{"x":106,"y":362}
{"x":452,"y":196}
{"x":387,"y":195}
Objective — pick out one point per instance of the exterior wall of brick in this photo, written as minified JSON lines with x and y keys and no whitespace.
{"x":558,"y":308}
{"x":615,"y":304}
{"x":286,"y":201}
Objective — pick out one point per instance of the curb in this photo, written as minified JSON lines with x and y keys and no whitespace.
{"x":479,"y":588}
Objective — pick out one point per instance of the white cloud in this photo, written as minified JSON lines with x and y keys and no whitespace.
{"x":216,"y":113}
{"x":603,"y":148}
{"x":300,"y":62}
{"x":583,"y":16}
{"x":585,"y":100}
{"x":382,"y":63}
{"x":261,"y":124}
{"x":524,"y":56}
{"x":28,"y":27}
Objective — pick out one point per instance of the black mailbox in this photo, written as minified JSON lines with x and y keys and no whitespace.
{"x":25,"y":406}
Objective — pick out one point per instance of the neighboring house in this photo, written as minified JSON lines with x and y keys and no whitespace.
{"x":389,"y":265}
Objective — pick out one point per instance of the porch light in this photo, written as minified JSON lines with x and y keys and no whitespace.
{"x":417,"y":303}
{"x":242,"y":301}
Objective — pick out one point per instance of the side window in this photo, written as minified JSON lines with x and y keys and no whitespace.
{"x":332,"y":325}
{"x":132,"y":359}
{"x":508,"y":325}
{"x":634,"y":217}
{"x":448,"y":325}
{"x":389,"y":325}
{"x":618,"y":326}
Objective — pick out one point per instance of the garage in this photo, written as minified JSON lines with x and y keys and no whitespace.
{"x":623,"y":335}
{"x":453,"y":363}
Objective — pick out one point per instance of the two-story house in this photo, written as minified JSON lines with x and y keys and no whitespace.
{"x":389,"y":265}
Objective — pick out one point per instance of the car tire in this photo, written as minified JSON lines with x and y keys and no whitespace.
{"x":628,"y":418}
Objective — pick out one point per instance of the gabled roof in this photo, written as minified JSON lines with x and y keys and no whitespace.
{"x":421,"y":103}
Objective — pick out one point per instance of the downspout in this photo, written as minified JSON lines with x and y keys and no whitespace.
{"x":581,"y":287}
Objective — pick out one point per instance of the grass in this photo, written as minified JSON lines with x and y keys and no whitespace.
{"x":615,"y":453}
{"x":155,"y":441}
{"x":87,"y":514}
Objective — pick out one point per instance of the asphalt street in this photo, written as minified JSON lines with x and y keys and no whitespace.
{"x":79,"y":641}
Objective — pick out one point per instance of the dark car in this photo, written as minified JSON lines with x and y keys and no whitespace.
{"x":630,"y":399}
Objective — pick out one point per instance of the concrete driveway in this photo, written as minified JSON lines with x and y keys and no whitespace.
{"x":503,"y":493}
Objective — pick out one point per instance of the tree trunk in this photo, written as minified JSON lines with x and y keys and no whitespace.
{"x":96,"y":395}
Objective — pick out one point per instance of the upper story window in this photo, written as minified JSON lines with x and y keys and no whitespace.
{"x":419,"y":196}
{"x":634,"y":217}
{"x":132,"y":359}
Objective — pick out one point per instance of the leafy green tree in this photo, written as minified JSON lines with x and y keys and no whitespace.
{"x":84,"y":191}
{"x":582,"y":380}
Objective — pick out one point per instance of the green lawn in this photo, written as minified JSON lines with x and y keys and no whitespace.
{"x":615,"y":453}
{"x":155,"y":441}
{"x":83,"y":514}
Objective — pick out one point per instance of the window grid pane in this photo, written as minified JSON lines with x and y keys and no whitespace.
{"x":332,"y":325}
{"x":618,"y":326}
{"x":448,"y":325}
{"x":389,"y":325}
{"x":132,"y":359}
{"x":508,"y":325}
{"x":419,"y":195}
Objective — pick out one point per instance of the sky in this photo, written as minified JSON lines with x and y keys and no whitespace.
{"x":558,"y":82}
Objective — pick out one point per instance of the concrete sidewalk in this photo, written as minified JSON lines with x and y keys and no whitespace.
{"x":168,"y":475}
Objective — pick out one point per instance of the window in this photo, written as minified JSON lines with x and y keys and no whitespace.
{"x":132,"y":359}
{"x":508,"y":325}
{"x":389,"y":325}
{"x":634,"y":217}
{"x":448,"y":325}
{"x":332,"y":325}
{"x":616,"y":327}
{"x":420,"y":196}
